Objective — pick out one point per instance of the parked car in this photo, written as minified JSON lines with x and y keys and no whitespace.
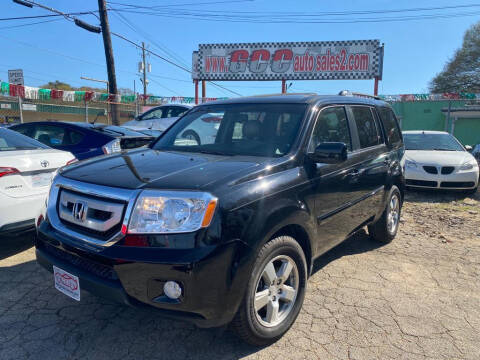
{"x":158,"y":118}
{"x":227,"y":230}
{"x":436,"y":159}
{"x":26,"y":171}
{"x":84,"y":140}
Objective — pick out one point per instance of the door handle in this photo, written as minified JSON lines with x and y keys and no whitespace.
{"x":353,"y":172}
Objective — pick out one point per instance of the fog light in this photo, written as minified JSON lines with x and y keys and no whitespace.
{"x":172,"y":289}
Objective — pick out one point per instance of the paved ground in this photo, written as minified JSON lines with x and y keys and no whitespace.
{"x":416,"y":298}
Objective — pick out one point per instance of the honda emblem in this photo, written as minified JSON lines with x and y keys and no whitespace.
{"x":79,"y":211}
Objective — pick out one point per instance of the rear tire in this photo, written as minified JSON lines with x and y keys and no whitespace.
{"x":385,"y":229}
{"x":274,"y":293}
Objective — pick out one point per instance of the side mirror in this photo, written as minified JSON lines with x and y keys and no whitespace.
{"x":468,"y":148}
{"x":330,"y":153}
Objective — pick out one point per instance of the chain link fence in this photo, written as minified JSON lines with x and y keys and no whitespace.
{"x":15,"y":110}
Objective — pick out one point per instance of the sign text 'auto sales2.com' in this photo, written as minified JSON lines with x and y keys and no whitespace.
{"x":359,"y":59}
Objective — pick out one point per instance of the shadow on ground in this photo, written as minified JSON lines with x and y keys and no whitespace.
{"x":438,"y":196}
{"x":41,"y":323}
{"x":12,"y":245}
{"x":358,"y":243}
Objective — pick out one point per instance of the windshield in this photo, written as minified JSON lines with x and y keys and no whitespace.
{"x":11,"y":140}
{"x":426,"y":141}
{"x":266,"y":130}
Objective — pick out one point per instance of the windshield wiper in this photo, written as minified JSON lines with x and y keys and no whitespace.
{"x":444,"y":150}
{"x":213,"y":152}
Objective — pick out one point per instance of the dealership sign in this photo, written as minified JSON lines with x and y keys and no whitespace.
{"x":322,"y":60}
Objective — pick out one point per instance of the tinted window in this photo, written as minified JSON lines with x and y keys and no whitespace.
{"x":49,"y":135}
{"x":368,"y":133}
{"x":428,"y":141}
{"x":176,"y":111}
{"x":11,"y":140}
{"x":236,"y":129}
{"x":52,"y":135}
{"x":331,"y":126}
{"x":152,"y":114}
{"x":390,"y":125}
{"x":23,"y":129}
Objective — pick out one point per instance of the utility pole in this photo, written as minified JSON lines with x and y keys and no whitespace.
{"x":107,"y":43}
{"x":144,"y":75}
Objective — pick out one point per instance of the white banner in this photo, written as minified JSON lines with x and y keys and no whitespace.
{"x":323,"y":60}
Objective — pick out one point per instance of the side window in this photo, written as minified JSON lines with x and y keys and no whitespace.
{"x":23,"y":129}
{"x":154,"y":114}
{"x":176,"y":111}
{"x":50,"y":135}
{"x":331,"y":126}
{"x":392,"y":130}
{"x":75,"y":137}
{"x":368,"y":132}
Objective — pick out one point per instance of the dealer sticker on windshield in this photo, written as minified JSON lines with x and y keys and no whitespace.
{"x":66,"y":283}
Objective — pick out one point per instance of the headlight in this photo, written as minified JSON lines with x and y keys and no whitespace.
{"x":162,"y":212}
{"x":410,"y":164}
{"x":468,"y":165}
{"x":112,"y":147}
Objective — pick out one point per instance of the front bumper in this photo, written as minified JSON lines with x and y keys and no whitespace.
{"x":135,"y":276}
{"x":457,"y":180}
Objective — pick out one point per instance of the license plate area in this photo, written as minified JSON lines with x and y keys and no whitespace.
{"x":66,"y":283}
{"x":41,"y":179}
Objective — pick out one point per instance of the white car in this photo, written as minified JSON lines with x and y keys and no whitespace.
{"x":436,"y":159}
{"x":26,"y":171}
{"x":158,"y":118}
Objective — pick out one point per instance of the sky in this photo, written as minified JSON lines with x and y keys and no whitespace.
{"x":58,"y":50}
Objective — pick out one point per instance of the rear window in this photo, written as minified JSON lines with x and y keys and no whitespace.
{"x":390,"y":125}
{"x":11,"y":141}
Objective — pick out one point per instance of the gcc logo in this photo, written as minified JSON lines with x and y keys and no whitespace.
{"x":259,"y":60}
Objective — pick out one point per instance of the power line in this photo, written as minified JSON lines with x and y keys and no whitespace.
{"x":44,"y":16}
{"x":188,"y":4}
{"x":29,"y":24}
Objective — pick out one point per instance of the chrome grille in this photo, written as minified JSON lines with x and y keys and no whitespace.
{"x":89,"y":212}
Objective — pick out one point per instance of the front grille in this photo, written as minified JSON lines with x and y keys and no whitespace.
{"x":421,"y":183}
{"x":430,"y":169}
{"x":446,"y":170}
{"x":457,"y":184}
{"x":96,"y":268}
{"x":100,"y":218}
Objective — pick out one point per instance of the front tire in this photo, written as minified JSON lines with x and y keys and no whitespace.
{"x":274,"y":294}
{"x":385,"y":229}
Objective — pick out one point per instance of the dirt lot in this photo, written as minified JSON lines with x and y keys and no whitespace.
{"x":416,"y":298}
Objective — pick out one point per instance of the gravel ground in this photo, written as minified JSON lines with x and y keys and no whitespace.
{"x":416,"y":298}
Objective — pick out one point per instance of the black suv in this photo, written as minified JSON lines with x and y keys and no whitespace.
{"x":227,"y":230}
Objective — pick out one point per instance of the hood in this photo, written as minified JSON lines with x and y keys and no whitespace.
{"x":147,"y":168}
{"x":439,"y":158}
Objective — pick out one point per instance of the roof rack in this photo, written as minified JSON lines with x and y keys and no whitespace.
{"x":351,"y":93}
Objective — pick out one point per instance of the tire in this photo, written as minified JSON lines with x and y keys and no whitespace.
{"x":192,"y":135}
{"x":259,"y":326}
{"x":380,"y":230}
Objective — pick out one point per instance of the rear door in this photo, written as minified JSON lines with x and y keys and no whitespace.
{"x":371,"y":162}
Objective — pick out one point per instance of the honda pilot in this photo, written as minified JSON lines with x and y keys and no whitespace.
{"x":225,"y":229}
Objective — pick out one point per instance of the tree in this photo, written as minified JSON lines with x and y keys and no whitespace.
{"x":462,"y":72}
